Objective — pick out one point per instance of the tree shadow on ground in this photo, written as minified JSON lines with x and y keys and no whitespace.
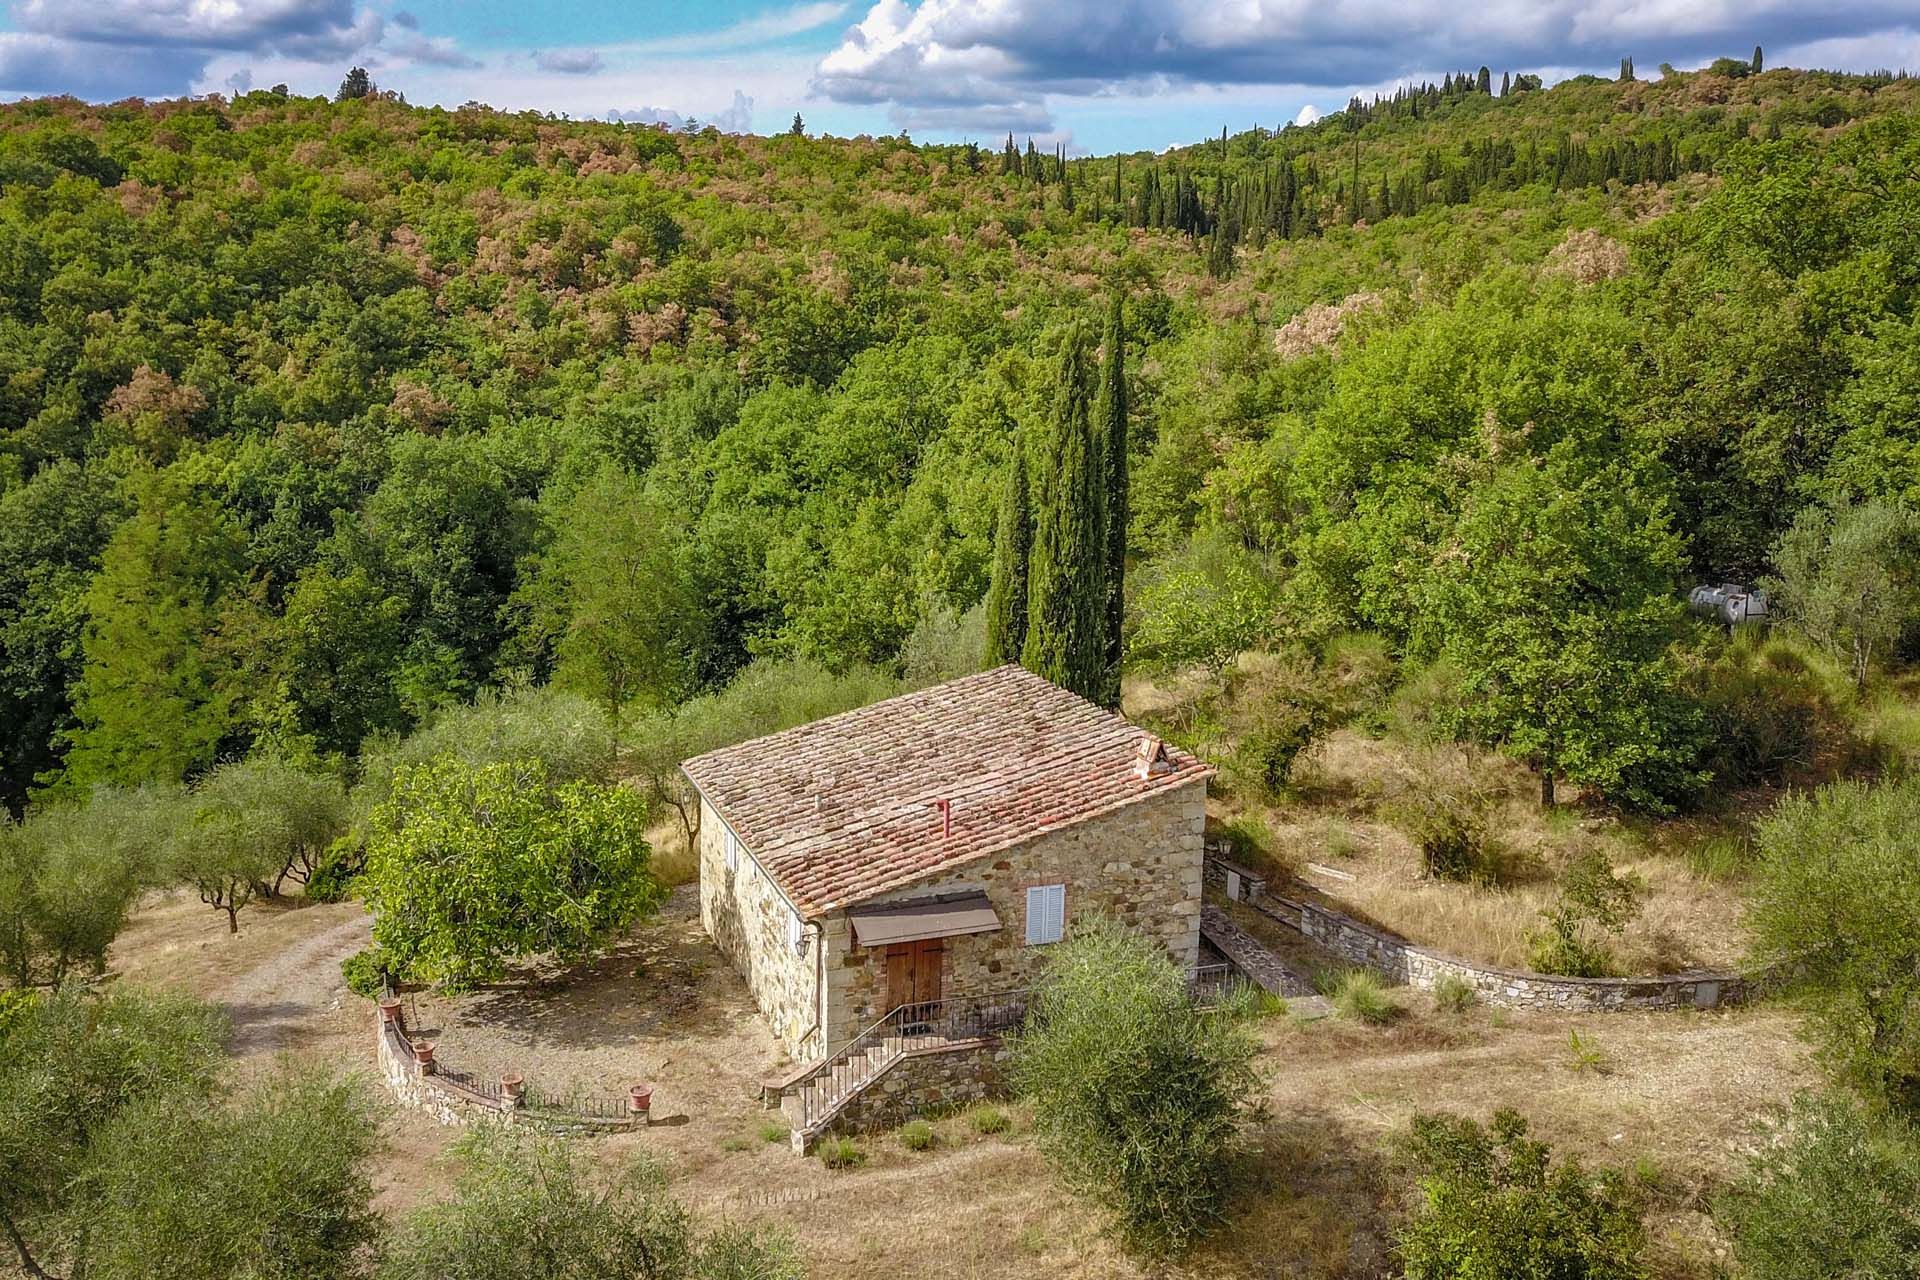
{"x":1316,"y":1200}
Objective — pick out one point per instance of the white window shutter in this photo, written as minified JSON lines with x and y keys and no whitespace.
{"x":1046,"y":913}
{"x":733,"y":851}
{"x":796,"y":931}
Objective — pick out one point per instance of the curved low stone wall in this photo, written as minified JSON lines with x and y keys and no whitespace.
{"x":423,"y":1089}
{"x":1404,"y":962}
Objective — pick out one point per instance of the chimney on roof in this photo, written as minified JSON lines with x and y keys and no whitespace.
{"x":1150,"y":759}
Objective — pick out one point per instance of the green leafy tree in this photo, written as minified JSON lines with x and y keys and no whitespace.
{"x":1494,"y":1202}
{"x":1836,"y":888}
{"x":470,"y":867}
{"x":250,"y":824}
{"x":158,"y":693}
{"x":1012,"y":544}
{"x":618,"y":597}
{"x":1066,"y":570}
{"x":1848,"y":578}
{"x":534,"y":1208}
{"x":1594,"y":903}
{"x":69,"y":875}
{"x":275,"y":1184}
{"x":336,"y":658}
{"x":72,"y":1067}
{"x":356,"y":84}
{"x":1556,"y":602}
{"x":1110,"y":421}
{"x":1834,"y":1193}
{"x":1203,"y":605}
{"x":1139,"y":1096}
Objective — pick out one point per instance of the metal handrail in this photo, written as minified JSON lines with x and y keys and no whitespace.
{"x":969,"y":1017}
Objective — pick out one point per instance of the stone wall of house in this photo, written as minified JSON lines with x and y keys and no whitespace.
{"x":924,"y":1081}
{"x":1403,"y":962}
{"x":1141,"y":865}
{"x":748,"y":920}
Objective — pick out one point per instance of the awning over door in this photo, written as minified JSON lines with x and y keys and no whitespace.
{"x":946,"y":917}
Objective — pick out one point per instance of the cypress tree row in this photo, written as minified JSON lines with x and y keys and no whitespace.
{"x":1110,"y":421}
{"x":1007,"y":590}
{"x":1066,"y":575}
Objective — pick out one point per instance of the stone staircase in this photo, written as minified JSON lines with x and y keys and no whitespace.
{"x":812,"y":1099}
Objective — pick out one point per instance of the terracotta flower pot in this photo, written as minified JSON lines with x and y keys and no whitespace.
{"x":389,"y":1010}
{"x":513,"y":1086}
{"x":639,"y":1099}
{"x":423,"y":1052}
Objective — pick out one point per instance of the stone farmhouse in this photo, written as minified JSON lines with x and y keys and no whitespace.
{"x":925,"y":852}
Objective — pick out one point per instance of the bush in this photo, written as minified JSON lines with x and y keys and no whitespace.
{"x":1836,"y":891}
{"x":917,"y":1135}
{"x":1276,"y":711}
{"x":1138,"y":1096}
{"x":1493,"y":1202}
{"x":369,"y":973}
{"x":1816,"y":1201}
{"x":1593,"y":903}
{"x":988,"y":1119}
{"x":1774,"y":717}
{"x":1200,"y":605}
{"x":332,"y":879}
{"x":1454,"y":994}
{"x":1361,"y":995}
{"x":840,"y":1153}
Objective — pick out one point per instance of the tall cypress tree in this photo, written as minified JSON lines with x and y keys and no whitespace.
{"x":1066,"y":574}
{"x":1012,"y":543}
{"x":1110,"y":421}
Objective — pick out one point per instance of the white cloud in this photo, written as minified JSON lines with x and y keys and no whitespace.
{"x":1308,"y":114}
{"x":764,"y":29}
{"x":950,"y":56}
{"x":737,"y":118}
{"x":570,"y":62}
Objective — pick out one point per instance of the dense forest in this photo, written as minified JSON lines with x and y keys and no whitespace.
{"x":319,"y":416}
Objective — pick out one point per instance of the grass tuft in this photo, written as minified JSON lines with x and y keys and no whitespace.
{"x":841,"y":1153}
{"x":1360,"y":995}
{"x":917,"y":1135}
{"x":987,"y":1118}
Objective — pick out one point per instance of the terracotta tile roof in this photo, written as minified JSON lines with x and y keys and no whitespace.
{"x":845,"y":808}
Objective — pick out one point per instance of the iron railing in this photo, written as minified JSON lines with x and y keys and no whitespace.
{"x":924,"y":1024}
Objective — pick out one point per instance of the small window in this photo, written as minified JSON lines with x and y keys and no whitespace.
{"x":733,"y":851}
{"x":1046,"y":914}
{"x":796,"y":932}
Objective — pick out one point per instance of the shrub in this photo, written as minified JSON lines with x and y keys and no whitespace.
{"x":1277,"y":710}
{"x":917,"y":1135}
{"x":1454,"y":994}
{"x":1493,"y":1202}
{"x":1138,"y":1095}
{"x":774,"y":1131}
{"x":1816,"y":1201}
{"x":1200,"y":605}
{"x":1836,"y":891}
{"x":1593,"y":903}
{"x":1361,"y":995}
{"x":840,"y":1153}
{"x":368,"y":973}
{"x":1775,"y":718}
{"x":987,"y":1119}
{"x":332,"y":879}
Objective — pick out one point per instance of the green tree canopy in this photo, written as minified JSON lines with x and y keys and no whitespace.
{"x":1139,"y":1096}
{"x":469,"y":867}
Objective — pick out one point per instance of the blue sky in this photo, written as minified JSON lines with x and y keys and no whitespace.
{"x":1098,"y":75}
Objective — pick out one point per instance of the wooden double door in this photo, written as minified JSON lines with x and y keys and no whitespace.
{"x":913,"y":973}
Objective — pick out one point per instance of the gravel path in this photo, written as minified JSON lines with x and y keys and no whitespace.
{"x":279,"y":1002}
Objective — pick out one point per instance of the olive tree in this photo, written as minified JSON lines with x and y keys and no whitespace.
{"x":1846,"y":577}
{"x":71,"y":1066}
{"x":1836,"y":892}
{"x":69,"y":875}
{"x":1139,"y":1096}
{"x":533,"y":1208}
{"x":249,"y":825}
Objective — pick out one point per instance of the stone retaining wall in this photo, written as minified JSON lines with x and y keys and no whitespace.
{"x":952,"y":1075}
{"x":1404,"y":962}
{"x":421,"y":1089}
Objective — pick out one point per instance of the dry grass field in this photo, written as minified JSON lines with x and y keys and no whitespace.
{"x":1670,"y":1095}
